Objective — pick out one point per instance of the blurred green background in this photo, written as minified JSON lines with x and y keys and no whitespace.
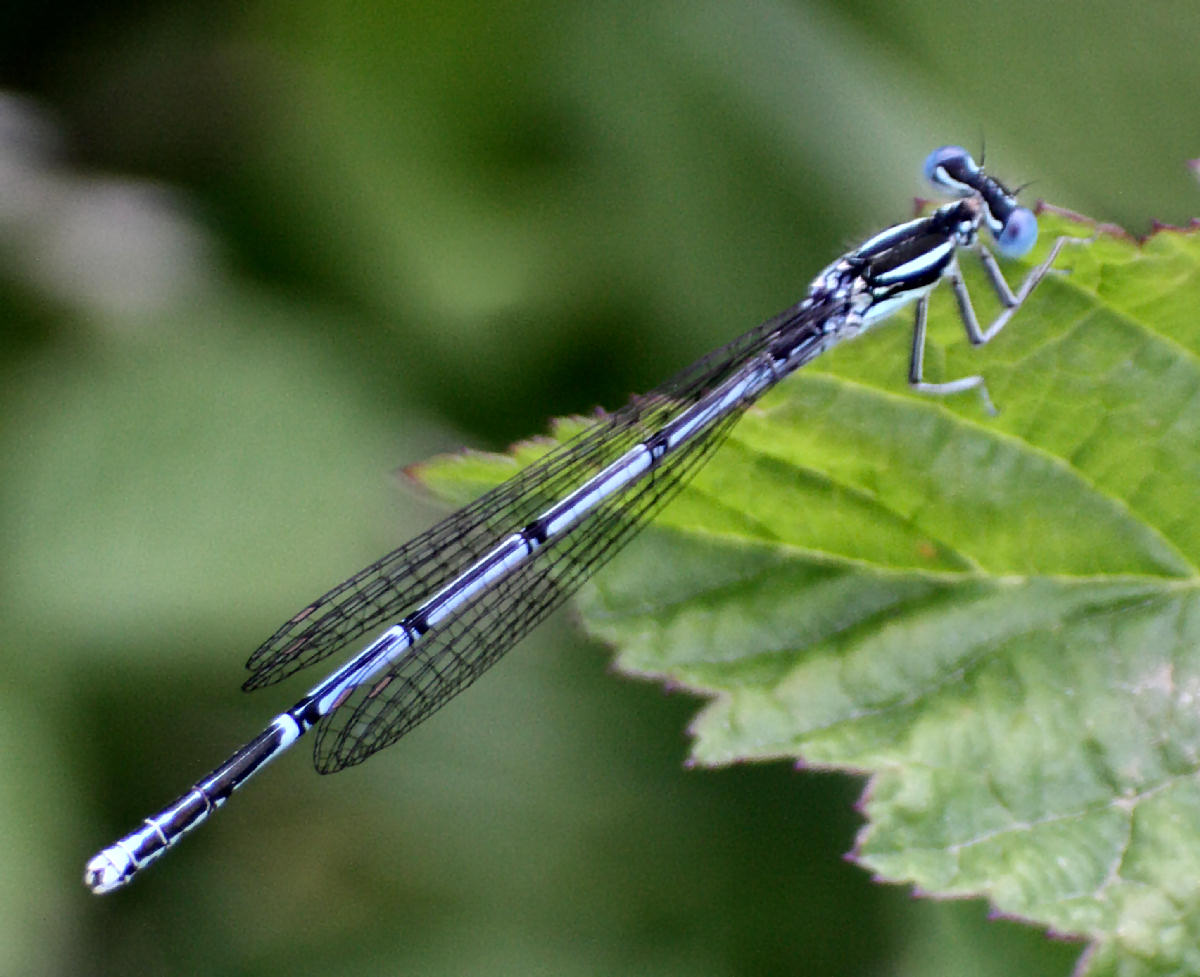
{"x":256,"y":256}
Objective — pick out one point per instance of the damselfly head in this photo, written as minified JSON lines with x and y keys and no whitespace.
{"x":952,"y":170}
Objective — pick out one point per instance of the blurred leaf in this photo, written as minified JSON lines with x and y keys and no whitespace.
{"x":164,"y":464}
{"x":996,"y":618}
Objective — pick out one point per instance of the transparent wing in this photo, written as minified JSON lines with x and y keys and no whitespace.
{"x":401,"y":581}
{"x":449,"y":658}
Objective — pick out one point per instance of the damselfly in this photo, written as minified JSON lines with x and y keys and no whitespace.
{"x":456,"y":598}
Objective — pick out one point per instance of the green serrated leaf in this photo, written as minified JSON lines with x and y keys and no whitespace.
{"x":997,"y":618}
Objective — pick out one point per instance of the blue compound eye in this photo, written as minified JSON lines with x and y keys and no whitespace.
{"x":946,"y":166}
{"x":1019,"y":233}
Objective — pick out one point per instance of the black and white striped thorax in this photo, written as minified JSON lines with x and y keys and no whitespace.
{"x":898,"y":266}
